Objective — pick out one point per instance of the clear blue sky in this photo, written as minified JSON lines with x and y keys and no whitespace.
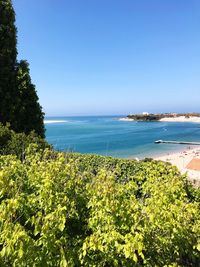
{"x":112,"y":56}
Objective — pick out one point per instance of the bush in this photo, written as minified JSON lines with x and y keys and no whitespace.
{"x":16,"y":143}
{"x":62,"y":209}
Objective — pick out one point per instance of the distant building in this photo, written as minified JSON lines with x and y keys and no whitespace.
{"x":145,"y":113}
{"x":174,"y":114}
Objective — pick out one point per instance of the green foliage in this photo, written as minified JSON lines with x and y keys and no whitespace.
{"x":18,"y":98}
{"x":60,"y":209}
{"x":8,"y":54}
{"x":5,"y":137}
{"x":16,"y":143}
{"x":28,"y":108}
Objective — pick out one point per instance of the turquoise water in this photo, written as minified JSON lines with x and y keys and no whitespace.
{"x":106,"y":135}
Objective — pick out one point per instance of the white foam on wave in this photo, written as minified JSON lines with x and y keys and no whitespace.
{"x":53,"y":121}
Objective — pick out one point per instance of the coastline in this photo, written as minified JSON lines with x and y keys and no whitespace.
{"x":169,"y":119}
{"x":125,"y":119}
{"x":104,"y":136}
{"x":184,"y":161}
{"x":181,"y":119}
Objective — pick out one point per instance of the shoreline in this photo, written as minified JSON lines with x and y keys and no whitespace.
{"x":181,"y":119}
{"x":181,"y":161}
{"x":168,"y":119}
{"x":125,"y":119}
{"x":53,"y":121}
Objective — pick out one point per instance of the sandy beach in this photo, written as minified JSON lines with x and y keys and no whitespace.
{"x":171,"y":119}
{"x":125,"y":119}
{"x":187,"y":161}
{"x":181,"y":119}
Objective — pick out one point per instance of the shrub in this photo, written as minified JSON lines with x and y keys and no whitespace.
{"x":60,"y":209}
{"x":16,"y":143}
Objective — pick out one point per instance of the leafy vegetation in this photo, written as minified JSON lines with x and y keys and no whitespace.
{"x":12,"y":143}
{"x":18,"y":98}
{"x":8,"y":54}
{"x":28,"y":108}
{"x":59,"y":209}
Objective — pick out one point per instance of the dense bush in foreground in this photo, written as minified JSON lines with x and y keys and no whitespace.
{"x":60,"y":209}
{"x":17,"y":143}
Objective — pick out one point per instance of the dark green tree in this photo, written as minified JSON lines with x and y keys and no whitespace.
{"x":18,"y":98}
{"x":8,"y":54}
{"x":28,"y":108}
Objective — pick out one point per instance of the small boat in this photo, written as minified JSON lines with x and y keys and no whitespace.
{"x":158,"y":141}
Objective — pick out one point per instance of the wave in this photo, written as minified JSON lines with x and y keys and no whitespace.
{"x":54,"y":121}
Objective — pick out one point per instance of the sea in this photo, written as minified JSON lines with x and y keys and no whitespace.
{"x":109,"y":136}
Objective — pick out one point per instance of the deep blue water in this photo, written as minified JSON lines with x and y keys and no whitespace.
{"x":105,"y":135}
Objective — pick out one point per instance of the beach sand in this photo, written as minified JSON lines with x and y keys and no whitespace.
{"x":125,"y":119}
{"x":187,"y":161}
{"x":181,"y":119}
{"x":171,"y":119}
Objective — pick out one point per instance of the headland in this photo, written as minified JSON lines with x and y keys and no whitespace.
{"x":165,"y":117}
